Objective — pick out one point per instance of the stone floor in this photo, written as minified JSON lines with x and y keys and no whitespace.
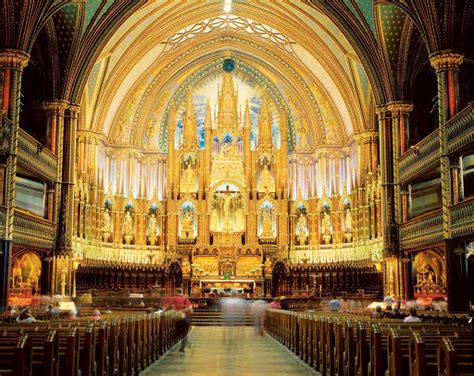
{"x":229,"y":351}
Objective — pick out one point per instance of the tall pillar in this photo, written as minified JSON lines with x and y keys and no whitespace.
{"x":446,"y":64}
{"x":66,"y":220}
{"x":389,"y":228}
{"x":400,"y":117}
{"x":12,"y":63}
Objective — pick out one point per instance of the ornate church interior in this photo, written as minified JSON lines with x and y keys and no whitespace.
{"x":306,"y":150}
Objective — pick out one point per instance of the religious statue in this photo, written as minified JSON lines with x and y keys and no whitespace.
{"x":186,"y":267}
{"x":227,"y":212}
{"x":106,"y":225}
{"x":302,"y":229}
{"x":189,"y":179}
{"x":240,"y":220}
{"x":152,"y":229}
{"x":266,"y":182}
{"x":326,"y":227}
{"x":267,"y":225}
{"x":187,"y":228}
{"x":128,"y":228}
{"x":348,"y":224}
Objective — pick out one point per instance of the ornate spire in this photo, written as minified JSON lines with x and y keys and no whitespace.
{"x":189,"y":124}
{"x":207,"y":118}
{"x":265,"y":125}
{"x":227,"y":99}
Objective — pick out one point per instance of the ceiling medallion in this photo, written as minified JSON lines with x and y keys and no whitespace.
{"x":228,"y":65}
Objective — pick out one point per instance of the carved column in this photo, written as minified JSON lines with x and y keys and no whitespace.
{"x":390,"y":230}
{"x":446,"y":64}
{"x":455,"y":180}
{"x":12,"y":63}
{"x":400,"y":116}
{"x":404,"y":206}
{"x":66,"y":221}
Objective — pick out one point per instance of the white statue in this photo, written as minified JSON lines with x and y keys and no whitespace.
{"x":326,"y":223}
{"x":189,"y":179}
{"x":302,"y":229}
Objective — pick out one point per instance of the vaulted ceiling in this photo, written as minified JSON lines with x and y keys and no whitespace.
{"x":335,"y":59}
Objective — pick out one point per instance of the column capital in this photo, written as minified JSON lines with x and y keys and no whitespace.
{"x":15,"y":59}
{"x":74,"y":109}
{"x":366,"y":136}
{"x":381,"y":111}
{"x":55,"y":107}
{"x":446,"y":60}
{"x":399,"y":107}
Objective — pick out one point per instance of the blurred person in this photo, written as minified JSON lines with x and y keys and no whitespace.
{"x":275,"y":304}
{"x":258,"y":312}
{"x":96,"y":316}
{"x":182,"y":304}
{"x":377,"y":314}
{"x":26,"y":316}
{"x":388,"y":300}
{"x":334,"y":304}
{"x":396,"y":314}
{"x":284,"y":303}
{"x":51,"y":312}
{"x":73,"y":315}
{"x":413,"y":316}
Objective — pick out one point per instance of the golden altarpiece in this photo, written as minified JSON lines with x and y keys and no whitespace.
{"x":229,"y":201}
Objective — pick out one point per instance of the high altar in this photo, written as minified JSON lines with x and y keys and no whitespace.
{"x":241,"y":195}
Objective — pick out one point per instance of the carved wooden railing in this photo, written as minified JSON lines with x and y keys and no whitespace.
{"x":462,"y":221}
{"x":419,"y":157}
{"x":424,"y":229}
{"x":460,"y":129}
{"x":118,"y":254}
{"x":34,"y":157}
{"x":31,"y":230}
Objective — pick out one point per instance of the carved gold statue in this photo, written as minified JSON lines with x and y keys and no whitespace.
{"x":152,"y":229}
{"x":106,"y":226}
{"x":187,"y":225}
{"x":302,"y":229}
{"x":266,"y":183}
{"x":128,"y":228}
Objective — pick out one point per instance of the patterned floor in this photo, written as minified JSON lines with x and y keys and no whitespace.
{"x":229,"y":351}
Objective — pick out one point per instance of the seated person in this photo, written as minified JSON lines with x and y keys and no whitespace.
{"x":334,"y":304}
{"x":25,"y":317}
{"x":413,"y":317}
{"x":377,"y":314}
{"x":396,"y":314}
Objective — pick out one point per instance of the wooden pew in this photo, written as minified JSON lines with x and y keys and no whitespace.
{"x":16,"y":356}
{"x":455,"y":356}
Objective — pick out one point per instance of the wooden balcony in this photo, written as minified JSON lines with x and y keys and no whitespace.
{"x":422,"y":230}
{"x":460,"y":129}
{"x":462,"y":218}
{"x":33,"y":231}
{"x":35,"y":158}
{"x":420,"y":157}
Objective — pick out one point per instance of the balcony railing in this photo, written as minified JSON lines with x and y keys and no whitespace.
{"x":33,"y":231}
{"x":460,"y":129}
{"x":419,"y":157}
{"x":462,"y":220}
{"x":34,"y":157}
{"x":422,"y":230}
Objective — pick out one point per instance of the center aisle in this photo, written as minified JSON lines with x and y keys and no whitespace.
{"x":228,"y":351}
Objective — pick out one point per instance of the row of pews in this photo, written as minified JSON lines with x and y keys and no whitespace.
{"x":120,"y":345}
{"x":344,"y":344}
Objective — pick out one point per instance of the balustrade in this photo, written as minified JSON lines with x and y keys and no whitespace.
{"x":35,"y":157}
{"x":422,"y":230}
{"x":419,"y":157}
